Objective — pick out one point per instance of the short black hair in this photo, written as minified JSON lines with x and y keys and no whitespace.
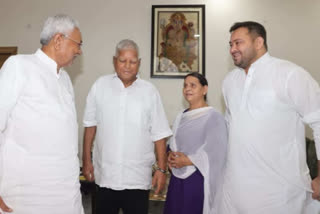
{"x":203,"y":81}
{"x":254,"y":28}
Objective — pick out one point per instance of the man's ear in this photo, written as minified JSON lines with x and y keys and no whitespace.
{"x":114,"y":60}
{"x":259,"y":43}
{"x":57,"y":40}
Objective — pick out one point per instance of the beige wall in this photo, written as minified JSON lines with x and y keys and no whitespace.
{"x":293,"y":28}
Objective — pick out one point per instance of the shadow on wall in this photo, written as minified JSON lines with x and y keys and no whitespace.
{"x":75,"y":69}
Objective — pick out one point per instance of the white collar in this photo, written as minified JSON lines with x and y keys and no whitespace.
{"x":115,"y":76}
{"x":48,"y":61}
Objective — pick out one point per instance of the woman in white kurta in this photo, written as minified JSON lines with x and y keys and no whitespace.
{"x":198,"y":150}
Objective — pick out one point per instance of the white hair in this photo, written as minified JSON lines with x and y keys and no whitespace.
{"x":60,"y":23}
{"x":125,"y":45}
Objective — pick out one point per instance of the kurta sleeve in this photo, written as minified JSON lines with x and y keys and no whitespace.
{"x":159,"y":124}
{"x":12,"y":81}
{"x":90,"y":113}
{"x":304,"y":93}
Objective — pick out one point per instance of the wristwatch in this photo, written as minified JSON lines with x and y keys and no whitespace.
{"x":161,"y":170}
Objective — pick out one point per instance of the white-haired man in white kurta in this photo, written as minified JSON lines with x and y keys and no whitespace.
{"x":268,"y":102}
{"x":126,"y":117}
{"x":39,"y":167}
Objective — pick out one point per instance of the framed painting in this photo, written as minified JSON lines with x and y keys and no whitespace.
{"x":178,"y":40}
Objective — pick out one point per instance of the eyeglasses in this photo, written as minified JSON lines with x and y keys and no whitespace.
{"x":78,"y":43}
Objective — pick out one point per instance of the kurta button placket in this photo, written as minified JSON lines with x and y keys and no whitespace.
{"x":246,"y":88}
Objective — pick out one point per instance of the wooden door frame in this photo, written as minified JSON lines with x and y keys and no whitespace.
{"x":9,"y":50}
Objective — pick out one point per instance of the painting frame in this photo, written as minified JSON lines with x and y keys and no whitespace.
{"x":177,"y":40}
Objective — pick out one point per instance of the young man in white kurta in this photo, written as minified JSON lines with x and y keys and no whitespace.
{"x":39,"y":167}
{"x":268,"y":101}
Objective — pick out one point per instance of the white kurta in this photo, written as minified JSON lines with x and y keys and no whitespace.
{"x":128,"y":121}
{"x":39,"y":167}
{"x":266,"y":110}
{"x":201,"y":134}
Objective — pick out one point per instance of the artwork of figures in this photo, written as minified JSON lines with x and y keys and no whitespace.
{"x":177,"y":40}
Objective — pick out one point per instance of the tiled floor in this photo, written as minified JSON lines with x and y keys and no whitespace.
{"x":155,"y":207}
